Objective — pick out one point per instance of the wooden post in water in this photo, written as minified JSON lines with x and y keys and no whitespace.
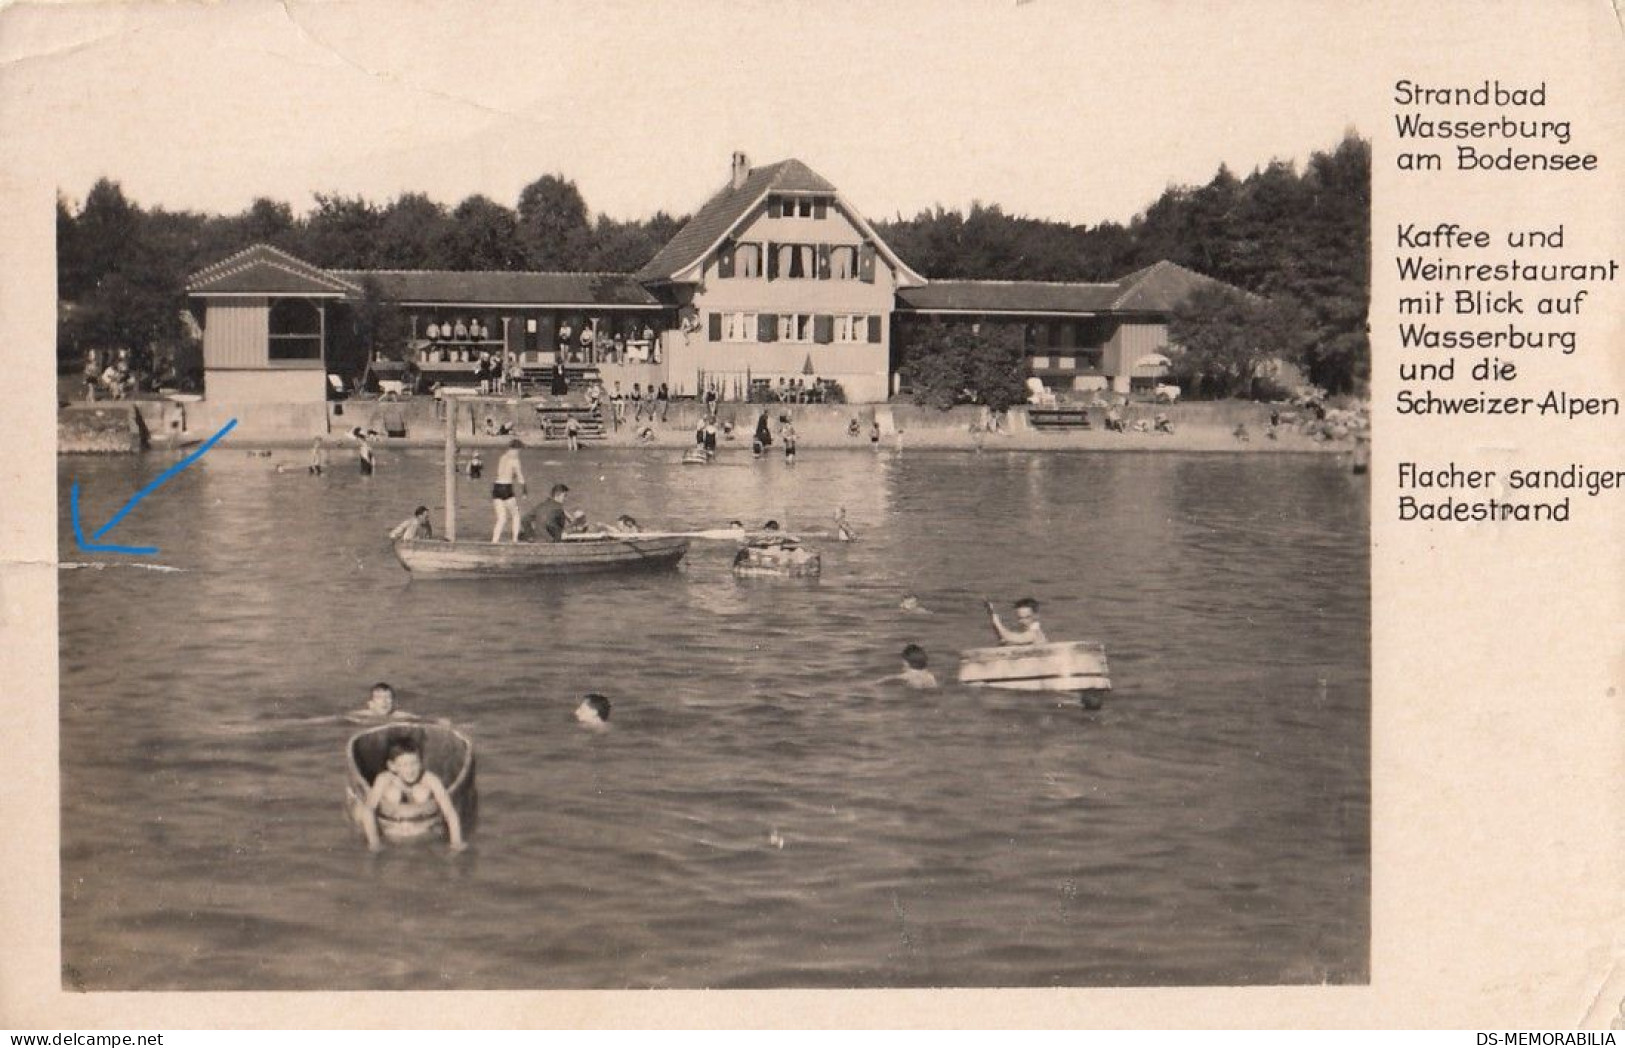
{"x":451,"y":468}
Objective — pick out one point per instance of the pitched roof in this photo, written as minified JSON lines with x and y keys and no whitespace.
{"x":728,"y":206}
{"x":265,"y":270}
{"x":1157,"y":288}
{"x":1008,"y":296}
{"x":1160,"y":287}
{"x":488,"y":287}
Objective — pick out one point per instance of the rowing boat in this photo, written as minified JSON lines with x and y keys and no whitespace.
{"x":446,"y":752}
{"x":1063,"y":666}
{"x":574,"y":556}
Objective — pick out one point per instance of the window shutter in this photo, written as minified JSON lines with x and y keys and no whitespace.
{"x":820,"y":208}
{"x":715,"y":321}
{"x":772,"y":261}
{"x":823,"y":328}
{"x":725,"y":261}
{"x":823,"y":261}
{"x":866,"y":266}
{"x":767,"y":327}
{"x":773,"y":207}
{"x":874,"y":329}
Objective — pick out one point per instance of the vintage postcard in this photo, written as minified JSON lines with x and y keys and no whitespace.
{"x":1057,"y":513}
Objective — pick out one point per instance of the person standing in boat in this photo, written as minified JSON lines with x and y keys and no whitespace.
{"x":549,"y":519}
{"x":405,"y":789}
{"x":1027,"y":630}
{"x":503,"y":497}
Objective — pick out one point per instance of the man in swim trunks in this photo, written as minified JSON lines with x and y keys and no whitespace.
{"x":549,"y":519}
{"x":509,"y":474}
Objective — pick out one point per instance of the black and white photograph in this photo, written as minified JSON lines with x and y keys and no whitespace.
{"x":777,"y":497}
{"x":613,"y":519}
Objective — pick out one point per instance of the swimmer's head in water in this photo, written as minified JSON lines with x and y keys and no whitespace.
{"x":914,"y":657}
{"x":594,"y":709}
{"x":771,"y":525}
{"x":405,"y":760}
{"x":910,"y":602}
{"x":382,"y":699}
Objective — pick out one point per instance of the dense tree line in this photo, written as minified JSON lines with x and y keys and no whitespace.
{"x":1295,"y":237}
{"x":1298,"y":238}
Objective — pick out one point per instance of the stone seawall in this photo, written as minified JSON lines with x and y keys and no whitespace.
{"x":100,"y":429}
{"x":1201,"y":426}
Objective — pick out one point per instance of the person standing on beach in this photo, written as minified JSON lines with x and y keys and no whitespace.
{"x":503,"y":498}
{"x":663,"y":399}
{"x":318,"y":457}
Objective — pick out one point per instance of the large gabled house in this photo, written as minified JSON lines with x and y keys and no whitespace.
{"x":776,"y":278}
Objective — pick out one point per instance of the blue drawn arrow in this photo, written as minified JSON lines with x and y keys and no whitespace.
{"x":94,"y":547}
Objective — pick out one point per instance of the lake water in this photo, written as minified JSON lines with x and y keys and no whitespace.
{"x":761,"y":814}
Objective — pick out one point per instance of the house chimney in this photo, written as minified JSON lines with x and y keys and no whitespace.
{"x":741,"y":171}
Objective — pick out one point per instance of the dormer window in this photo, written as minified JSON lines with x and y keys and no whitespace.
{"x":798,"y":207}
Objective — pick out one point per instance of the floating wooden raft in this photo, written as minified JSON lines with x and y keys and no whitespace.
{"x":434,"y":557}
{"x":446,"y":752}
{"x":1064,"y":666}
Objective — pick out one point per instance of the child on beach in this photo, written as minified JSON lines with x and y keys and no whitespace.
{"x":405,"y":789}
{"x":593,"y":713}
{"x":1027,"y":630}
{"x":318,"y":457}
{"x":915,"y":674}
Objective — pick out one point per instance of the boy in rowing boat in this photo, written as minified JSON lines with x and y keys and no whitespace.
{"x":915,"y":674}
{"x":414,"y":527}
{"x":549,"y":521}
{"x":509,"y":474}
{"x":405,"y":789}
{"x":1027,"y":629}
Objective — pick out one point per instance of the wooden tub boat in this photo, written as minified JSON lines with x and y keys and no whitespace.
{"x":773,"y":560}
{"x":1064,"y":666}
{"x":446,"y":752}
{"x":574,"y":556}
